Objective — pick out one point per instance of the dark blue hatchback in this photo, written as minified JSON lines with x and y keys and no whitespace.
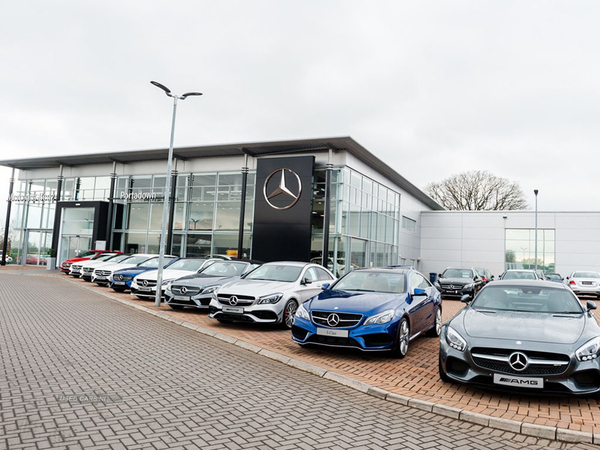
{"x":375,"y":309}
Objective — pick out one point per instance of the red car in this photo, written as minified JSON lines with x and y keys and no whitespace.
{"x":92,"y":254}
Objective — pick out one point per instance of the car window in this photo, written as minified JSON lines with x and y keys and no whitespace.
{"x":322,"y":275}
{"x":187,"y":264}
{"x":225,"y":269}
{"x":311,"y":274}
{"x":275,"y":272}
{"x":372,"y":282}
{"x":457,"y":273}
{"x":586,"y":275}
{"x":516,"y":275}
{"x":527,"y":299}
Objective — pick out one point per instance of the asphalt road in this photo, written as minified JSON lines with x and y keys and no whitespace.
{"x":81,"y":371}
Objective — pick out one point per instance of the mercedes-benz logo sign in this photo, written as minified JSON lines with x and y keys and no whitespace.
{"x":333,"y":320}
{"x":284,"y":189}
{"x":183,"y":289}
{"x":121,"y":277}
{"x":518,"y":361}
{"x":145,"y":283}
{"x":233,"y":300}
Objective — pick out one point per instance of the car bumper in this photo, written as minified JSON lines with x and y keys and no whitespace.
{"x":459,"y":292}
{"x":200,"y":301}
{"x":126,"y":284}
{"x":265,"y":313}
{"x":579,"y":377}
{"x":100,"y":280}
{"x":586,"y":290}
{"x":365,"y":338}
{"x":146,"y":292}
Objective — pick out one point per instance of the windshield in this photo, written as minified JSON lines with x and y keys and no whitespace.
{"x":275,"y":272}
{"x":119,"y":258}
{"x":554,"y":277}
{"x":135,"y":259}
{"x":457,"y":273}
{"x":153,"y":263}
{"x":372,"y":282}
{"x":192,"y":265}
{"x":105,"y":257}
{"x":527,"y":299}
{"x":517,"y":275}
{"x":225,"y":269}
{"x":586,"y":275}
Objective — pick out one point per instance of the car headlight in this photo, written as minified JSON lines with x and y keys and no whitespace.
{"x":166,"y":283}
{"x":468,"y":286}
{"x":302,"y":312}
{"x":381,"y":318}
{"x":455,"y":340}
{"x":210,"y":289}
{"x":589,"y":350}
{"x":270,"y":299}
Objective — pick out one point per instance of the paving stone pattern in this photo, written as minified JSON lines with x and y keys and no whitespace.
{"x":79,"y":370}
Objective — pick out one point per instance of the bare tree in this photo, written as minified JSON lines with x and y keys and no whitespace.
{"x":477,"y":190}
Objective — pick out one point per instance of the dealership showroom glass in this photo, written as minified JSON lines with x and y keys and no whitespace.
{"x":286,"y":200}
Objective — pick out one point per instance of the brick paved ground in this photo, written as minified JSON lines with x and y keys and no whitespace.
{"x":415,"y":376}
{"x":165,"y":386}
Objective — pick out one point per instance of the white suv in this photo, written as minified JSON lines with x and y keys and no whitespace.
{"x":269,"y":294}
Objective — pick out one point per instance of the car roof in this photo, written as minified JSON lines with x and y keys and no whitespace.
{"x":529,"y":283}
{"x":293,"y":263}
{"x":521,"y":270}
{"x":385,"y":269}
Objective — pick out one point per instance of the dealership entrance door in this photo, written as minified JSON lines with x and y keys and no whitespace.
{"x":76,"y":229}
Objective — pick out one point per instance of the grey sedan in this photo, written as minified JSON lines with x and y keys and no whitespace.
{"x":529,"y":336}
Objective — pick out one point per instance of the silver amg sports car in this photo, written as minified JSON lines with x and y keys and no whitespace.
{"x":524,"y":335}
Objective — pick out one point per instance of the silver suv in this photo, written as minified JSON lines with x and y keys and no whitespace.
{"x":269,"y":294}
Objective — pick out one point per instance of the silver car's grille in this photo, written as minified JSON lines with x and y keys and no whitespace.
{"x":242,"y":300}
{"x":335,"y":319}
{"x":147,"y":283}
{"x":185,"y":290}
{"x":88,"y":269}
{"x":102,"y":273}
{"x":538,"y":363}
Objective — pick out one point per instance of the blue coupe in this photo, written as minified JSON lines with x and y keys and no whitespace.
{"x":375,"y":309}
{"x":121,"y":280}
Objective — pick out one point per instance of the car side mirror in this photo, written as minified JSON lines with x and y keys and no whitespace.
{"x":590,"y":305}
{"x":325,"y":286}
{"x":492,"y":277}
{"x":417,"y":292}
{"x":566,"y":278}
{"x":306,"y":281}
{"x":439,"y":275}
{"x":465,"y":298}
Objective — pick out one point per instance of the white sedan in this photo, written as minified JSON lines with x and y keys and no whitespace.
{"x":269,"y":294}
{"x":584,"y":282}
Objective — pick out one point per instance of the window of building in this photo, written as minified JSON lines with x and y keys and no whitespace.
{"x":409,"y":224}
{"x":520,"y":249}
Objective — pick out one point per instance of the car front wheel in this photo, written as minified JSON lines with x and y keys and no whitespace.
{"x":443,"y":376}
{"x":437,"y":324}
{"x":288,"y":314}
{"x":403,"y":339}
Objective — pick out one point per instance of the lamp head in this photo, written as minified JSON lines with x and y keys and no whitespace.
{"x":163,"y":87}
{"x":187,"y":94}
{"x":535,"y":191}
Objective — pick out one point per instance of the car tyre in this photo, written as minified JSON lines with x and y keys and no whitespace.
{"x":443,"y":376}
{"x":288,"y":314}
{"x":403,"y":338}
{"x":437,"y":324}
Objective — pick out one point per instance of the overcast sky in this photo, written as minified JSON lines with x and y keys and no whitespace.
{"x":432,"y":88}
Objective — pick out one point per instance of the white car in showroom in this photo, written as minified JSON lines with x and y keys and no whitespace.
{"x":269,"y":294}
{"x":102,"y":274}
{"x":144,"y":285}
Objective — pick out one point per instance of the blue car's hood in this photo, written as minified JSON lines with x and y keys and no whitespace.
{"x":367,"y":303}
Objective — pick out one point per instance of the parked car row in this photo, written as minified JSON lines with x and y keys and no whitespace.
{"x":520,"y":332}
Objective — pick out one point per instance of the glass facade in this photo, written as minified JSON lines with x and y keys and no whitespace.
{"x":520,"y":249}
{"x":364,"y":223}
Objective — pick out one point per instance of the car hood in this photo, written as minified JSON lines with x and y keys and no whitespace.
{"x":256,"y":288}
{"x":117,"y":266}
{"x":367,"y":303}
{"x":199,"y":281}
{"x":524,"y":326}
{"x":132,"y":271}
{"x":460,"y":281}
{"x":74,"y":260}
{"x":168,"y":274}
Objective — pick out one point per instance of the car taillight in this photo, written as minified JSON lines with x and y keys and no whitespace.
{"x":571,"y":282}
{"x":484,"y":279}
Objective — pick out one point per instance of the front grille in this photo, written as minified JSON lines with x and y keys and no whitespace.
{"x":346,"y":320}
{"x":102,"y":273}
{"x":75,"y":268}
{"x":146,"y":283}
{"x":122,"y":277}
{"x":242,"y":300}
{"x":189,"y":290}
{"x":330,"y":340}
{"x":540,"y":363}
{"x":88,"y":270}
{"x":452,"y":286}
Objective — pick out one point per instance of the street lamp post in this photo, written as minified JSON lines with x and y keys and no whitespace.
{"x":535,"y":191}
{"x":161,"y":257}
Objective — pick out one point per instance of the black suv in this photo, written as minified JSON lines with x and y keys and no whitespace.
{"x":456,"y":282}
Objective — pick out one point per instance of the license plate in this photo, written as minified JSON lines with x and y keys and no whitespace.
{"x":100,"y":278}
{"x":233,"y":309}
{"x":119,"y":282}
{"x":180,"y":297}
{"x":331,"y":332}
{"x":526,"y":382}
{"x":145,"y":289}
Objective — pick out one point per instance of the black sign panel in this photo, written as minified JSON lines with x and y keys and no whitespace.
{"x":283,"y":209}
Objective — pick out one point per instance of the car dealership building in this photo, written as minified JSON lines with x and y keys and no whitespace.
{"x":290,"y":200}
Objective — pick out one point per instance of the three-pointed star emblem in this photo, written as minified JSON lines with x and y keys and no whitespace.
{"x":283,"y":190}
